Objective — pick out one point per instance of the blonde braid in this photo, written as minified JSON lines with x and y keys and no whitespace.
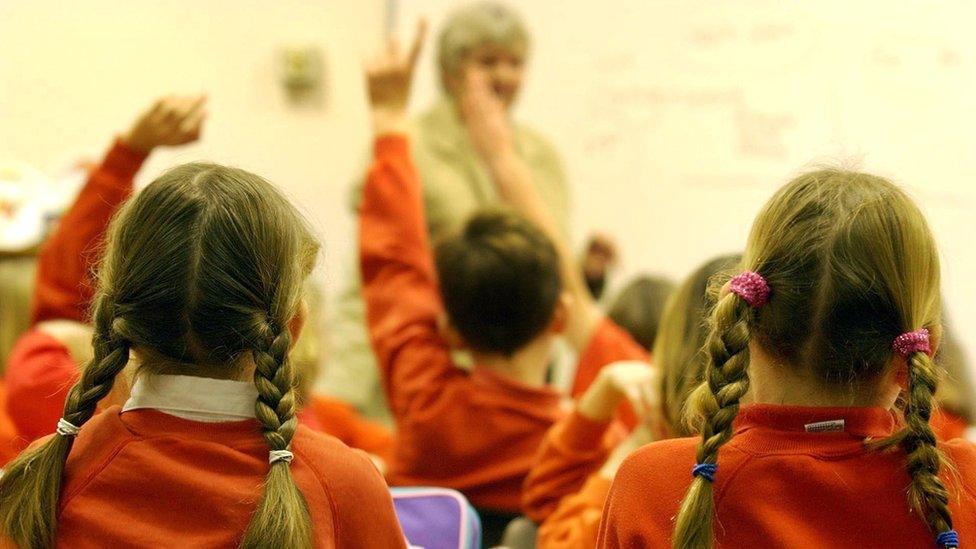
{"x":31,"y":485}
{"x":283,"y":512}
{"x":726,"y":382}
{"x":927,"y":494}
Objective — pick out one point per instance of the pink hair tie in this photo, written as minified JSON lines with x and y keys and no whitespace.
{"x":751,"y":287}
{"x":912,"y":342}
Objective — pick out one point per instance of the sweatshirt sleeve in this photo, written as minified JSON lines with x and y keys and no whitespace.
{"x":400,"y":289}
{"x":572,"y":450}
{"x":63,"y":288}
{"x":576,"y":521}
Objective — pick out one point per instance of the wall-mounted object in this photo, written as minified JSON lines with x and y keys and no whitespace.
{"x":301,"y":72}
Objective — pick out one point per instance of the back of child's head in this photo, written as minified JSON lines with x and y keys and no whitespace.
{"x":678,"y":347}
{"x":638,"y":307}
{"x":500,"y":282}
{"x":849,"y":264}
{"x":202,"y":275}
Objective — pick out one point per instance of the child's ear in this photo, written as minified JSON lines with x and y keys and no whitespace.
{"x":297,"y":322}
{"x":450,"y":333}
{"x":560,"y":315}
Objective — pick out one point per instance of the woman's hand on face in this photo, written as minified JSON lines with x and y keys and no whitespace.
{"x":485,"y":116}
{"x":389,"y":75}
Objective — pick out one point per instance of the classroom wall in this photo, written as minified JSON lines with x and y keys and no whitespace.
{"x":73,"y":74}
{"x":676,"y":119}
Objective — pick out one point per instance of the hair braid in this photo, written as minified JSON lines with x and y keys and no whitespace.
{"x":726,"y":382}
{"x":927,"y":494}
{"x":31,"y":485}
{"x":283,"y":511}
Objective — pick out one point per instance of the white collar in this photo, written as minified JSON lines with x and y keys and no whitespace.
{"x":194,"y":398}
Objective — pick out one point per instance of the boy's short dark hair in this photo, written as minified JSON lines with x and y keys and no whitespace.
{"x":499,"y":278}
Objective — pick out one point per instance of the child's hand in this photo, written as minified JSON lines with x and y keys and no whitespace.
{"x":388,"y":78}
{"x":485,"y":116}
{"x":634,"y":381}
{"x":172,"y":120}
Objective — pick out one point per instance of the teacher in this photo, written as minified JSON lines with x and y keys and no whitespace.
{"x":455,"y":182}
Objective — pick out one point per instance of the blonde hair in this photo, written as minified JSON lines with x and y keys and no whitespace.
{"x":478,"y":24}
{"x":678,"y":348}
{"x":851,"y":264}
{"x":202,"y":274}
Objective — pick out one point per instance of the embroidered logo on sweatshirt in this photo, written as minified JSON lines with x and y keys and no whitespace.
{"x":825,"y":426}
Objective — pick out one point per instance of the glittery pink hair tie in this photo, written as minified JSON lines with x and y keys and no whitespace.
{"x":751,"y":287}
{"x":912,"y":342}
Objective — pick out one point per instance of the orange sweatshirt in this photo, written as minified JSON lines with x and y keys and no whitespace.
{"x":778,"y":485}
{"x":148,"y":479}
{"x":10,"y":444}
{"x":40,"y":369}
{"x":947,"y":425}
{"x":475,"y":432}
{"x":573,"y":449}
{"x":342,"y":421}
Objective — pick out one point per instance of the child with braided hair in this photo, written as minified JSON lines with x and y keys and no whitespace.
{"x":202,"y":284}
{"x":46,"y":359}
{"x":836,"y":314}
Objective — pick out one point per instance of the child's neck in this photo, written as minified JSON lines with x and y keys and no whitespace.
{"x":771,"y":382}
{"x":529,"y":365}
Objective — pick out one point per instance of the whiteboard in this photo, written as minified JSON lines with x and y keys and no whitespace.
{"x":678,"y":119}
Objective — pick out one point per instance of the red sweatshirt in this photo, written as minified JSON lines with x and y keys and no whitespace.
{"x":145,"y":478}
{"x":780,"y":486}
{"x":342,"y":421}
{"x":40,"y":369}
{"x":572,"y":450}
{"x":475,"y":432}
{"x":10,"y":443}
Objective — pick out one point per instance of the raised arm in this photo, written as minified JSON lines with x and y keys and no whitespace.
{"x":403,"y":304}
{"x":579,"y":445}
{"x":63,"y":289}
{"x":492,"y":136}
{"x":46,"y":360}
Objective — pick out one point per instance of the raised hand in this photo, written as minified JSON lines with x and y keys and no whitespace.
{"x":633,"y":381}
{"x":170,"y":121}
{"x":389,"y":75}
{"x":485,"y":116}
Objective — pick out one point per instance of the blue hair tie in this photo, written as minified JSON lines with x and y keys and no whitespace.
{"x":705,"y":471}
{"x":949,"y":538}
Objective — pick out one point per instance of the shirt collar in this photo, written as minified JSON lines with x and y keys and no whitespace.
{"x":194,"y":398}
{"x":860,"y":422}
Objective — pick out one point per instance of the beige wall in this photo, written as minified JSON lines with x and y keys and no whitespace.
{"x":72,"y":74}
